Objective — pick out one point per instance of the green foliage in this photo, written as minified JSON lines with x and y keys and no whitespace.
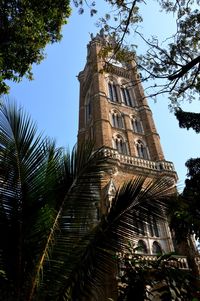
{"x":32,"y":183}
{"x":84,"y":256}
{"x":80,"y":5}
{"x":188,"y":120}
{"x":186,"y":217}
{"x":149,"y":279}
{"x":26,"y":28}
{"x":172,"y":64}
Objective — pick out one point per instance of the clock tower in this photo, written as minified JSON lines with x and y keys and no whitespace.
{"x":114,"y":113}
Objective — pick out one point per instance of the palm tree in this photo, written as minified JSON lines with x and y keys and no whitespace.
{"x":53,"y":244}
{"x":33,"y":183}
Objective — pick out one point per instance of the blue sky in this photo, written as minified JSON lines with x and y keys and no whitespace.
{"x":52,"y":97}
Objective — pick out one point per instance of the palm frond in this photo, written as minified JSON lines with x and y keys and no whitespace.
{"x":87,"y":255}
{"x":49,"y":205}
{"x":77,"y":215}
{"x":31,"y":171}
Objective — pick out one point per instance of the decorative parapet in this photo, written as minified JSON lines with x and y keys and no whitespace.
{"x":138,"y":162}
{"x":174,"y":261}
{"x":117,"y":70}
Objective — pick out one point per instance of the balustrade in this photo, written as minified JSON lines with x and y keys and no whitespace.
{"x":125,"y":159}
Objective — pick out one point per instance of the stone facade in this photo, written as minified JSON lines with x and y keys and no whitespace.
{"x":115,"y":114}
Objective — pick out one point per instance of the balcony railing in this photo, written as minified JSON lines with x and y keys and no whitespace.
{"x":175,"y":261}
{"x":139,"y":162}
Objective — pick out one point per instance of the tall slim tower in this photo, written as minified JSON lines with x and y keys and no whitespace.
{"x":114,"y":113}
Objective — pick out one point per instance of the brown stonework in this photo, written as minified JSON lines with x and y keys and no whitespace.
{"x":99,"y":126}
{"x":130,"y":148}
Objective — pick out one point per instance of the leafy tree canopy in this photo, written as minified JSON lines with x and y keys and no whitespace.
{"x":188,"y":120}
{"x":174,"y":63}
{"x":26,"y":27}
{"x":186,"y":210}
{"x":159,"y":279}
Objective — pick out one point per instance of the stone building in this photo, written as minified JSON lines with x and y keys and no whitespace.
{"x":115,"y":114}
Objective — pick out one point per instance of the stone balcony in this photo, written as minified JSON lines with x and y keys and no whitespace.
{"x":175,"y":261}
{"x":158,"y":166}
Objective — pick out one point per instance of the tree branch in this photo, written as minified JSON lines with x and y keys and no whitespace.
{"x":185,"y":69}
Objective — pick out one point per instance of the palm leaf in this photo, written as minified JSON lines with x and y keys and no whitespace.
{"x":31,"y":172}
{"x":60,"y":238}
{"x":77,"y":215}
{"x":86,"y":253}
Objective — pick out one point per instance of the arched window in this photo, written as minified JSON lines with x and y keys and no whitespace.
{"x":127,"y":99}
{"x":153,"y":226}
{"x":141,"y":247}
{"x":120,"y":145}
{"x":113,"y":95}
{"x":117,"y":119}
{"x":136,"y":125}
{"x":88,"y":109}
{"x":156,"y":248}
{"x":141,"y":150}
{"x":139,"y":224}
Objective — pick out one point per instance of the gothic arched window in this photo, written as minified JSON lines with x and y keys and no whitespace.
{"x":120,"y":145}
{"x":141,"y":247}
{"x":113,"y":95}
{"x":88,"y":108}
{"x":139,"y":224}
{"x":136,"y":125}
{"x":153,"y":226}
{"x":142,"y":150}
{"x":127,"y":99}
{"x":117,"y":119}
{"x":156,"y":248}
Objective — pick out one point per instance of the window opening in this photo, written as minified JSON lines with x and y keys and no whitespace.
{"x":117,"y":120}
{"x":113,"y":92}
{"x":156,"y":248}
{"x":88,"y":111}
{"x":142,"y":150}
{"x":120,"y":145}
{"x":141,"y":247}
{"x":136,"y":125}
{"x":139,"y":225}
{"x":153,"y":226}
{"x":127,"y":97}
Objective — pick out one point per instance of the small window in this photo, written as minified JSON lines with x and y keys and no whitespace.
{"x":156,"y":248}
{"x":142,"y":150}
{"x":141,"y":247}
{"x":120,"y":145}
{"x":139,"y":224}
{"x":136,"y":125}
{"x":153,"y":226}
{"x":88,"y":110}
{"x":126,"y":97}
{"x":117,"y":120}
{"x":113,"y":95}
